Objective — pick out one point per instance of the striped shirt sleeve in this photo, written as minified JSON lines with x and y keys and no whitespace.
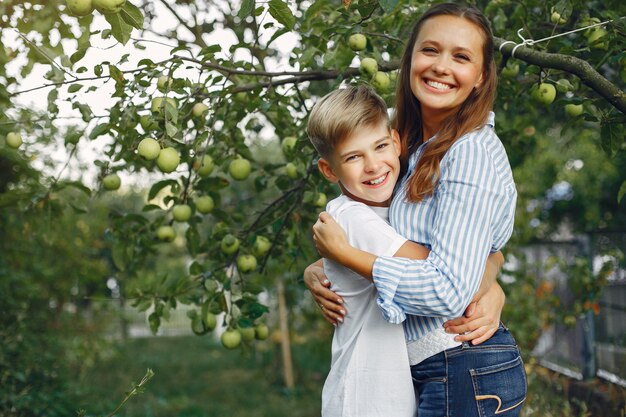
{"x":465,"y":204}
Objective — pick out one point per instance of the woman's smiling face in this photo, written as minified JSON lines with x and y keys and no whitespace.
{"x":447,"y":64}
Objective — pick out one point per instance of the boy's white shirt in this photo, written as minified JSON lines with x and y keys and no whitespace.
{"x":370,"y":374}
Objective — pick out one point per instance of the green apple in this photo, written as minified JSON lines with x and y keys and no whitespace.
{"x":157,"y":103}
{"x":357,"y":42}
{"x":241,"y":97}
{"x":166,"y":233}
{"x":181,"y":212}
{"x":205,"y":204}
{"x":204,"y":165}
{"x":247,"y":333}
{"x":288,"y":145}
{"x":510,"y":70}
{"x":321,"y":200}
{"x":545,"y":93}
{"x":261,"y":246}
{"x":79,"y":7}
{"x":168,"y":159}
{"x":556,"y":18}
{"x":199,"y":109}
{"x":164,"y":83}
{"x":246,"y":263}
{"x":229,"y":244}
{"x":148,"y":123}
{"x":369,"y":66}
{"x":14,"y":140}
{"x":574,"y":110}
{"x":111,"y":182}
{"x":381,"y":81}
{"x":261,"y":331}
{"x":292,"y":170}
{"x":149,"y":149}
{"x":231,"y":338}
{"x":108,"y":6}
{"x":594,"y":37}
{"x":210,"y":321}
{"x":239,"y":169}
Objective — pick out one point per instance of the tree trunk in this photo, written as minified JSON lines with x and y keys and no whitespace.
{"x":284,"y":335}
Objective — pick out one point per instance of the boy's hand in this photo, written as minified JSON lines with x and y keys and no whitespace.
{"x":330,"y":239}
{"x":330,"y":303}
{"x":481,"y":319}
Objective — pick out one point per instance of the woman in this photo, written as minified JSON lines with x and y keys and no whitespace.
{"x":457,"y":198}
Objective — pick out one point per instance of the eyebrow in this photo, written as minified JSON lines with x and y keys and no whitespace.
{"x":384,"y":138}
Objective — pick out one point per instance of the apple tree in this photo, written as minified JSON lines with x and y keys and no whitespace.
{"x":215,"y":128}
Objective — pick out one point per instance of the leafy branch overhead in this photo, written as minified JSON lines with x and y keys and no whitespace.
{"x":205,"y":115}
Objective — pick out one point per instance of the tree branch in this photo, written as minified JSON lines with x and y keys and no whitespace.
{"x":582,"y":69}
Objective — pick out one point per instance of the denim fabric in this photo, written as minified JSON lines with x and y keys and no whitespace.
{"x":472,"y":381}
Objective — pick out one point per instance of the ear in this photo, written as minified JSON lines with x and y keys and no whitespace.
{"x":395,"y":137}
{"x":480,"y":80}
{"x":327,"y":171}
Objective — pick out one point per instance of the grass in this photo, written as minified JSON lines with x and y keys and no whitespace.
{"x":195,"y":376}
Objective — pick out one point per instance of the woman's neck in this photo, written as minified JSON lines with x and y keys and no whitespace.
{"x":431,"y":123}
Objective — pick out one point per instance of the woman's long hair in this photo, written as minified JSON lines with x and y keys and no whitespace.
{"x":472,"y":113}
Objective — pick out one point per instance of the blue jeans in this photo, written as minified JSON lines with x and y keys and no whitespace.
{"x":472,"y":381}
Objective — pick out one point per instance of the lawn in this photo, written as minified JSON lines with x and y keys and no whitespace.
{"x":196,"y":377}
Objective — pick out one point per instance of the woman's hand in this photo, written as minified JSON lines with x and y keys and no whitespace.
{"x":330,"y":303}
{"x":481,"y":318}
{"x":330,"y":239}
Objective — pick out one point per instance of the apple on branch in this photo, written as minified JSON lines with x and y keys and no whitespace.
{"x":80,"y":8}
{"x":204,"y":165}
{"x":239,"y":169}
{"x":14,"y":140}
{"x":111,"y":182}
{"x":357,"y":42}
{"x":108,"y":6}
{"x":166,"y":233}
{"x":231,"y":338}
{"x":205,"y":204}
{"x":181,"y":212}
{"x":369,"y":66}
{"x":545,"y":93}
{"x":149,"y":149}
{"x":168,"y":159}
{"x":246,"y":263}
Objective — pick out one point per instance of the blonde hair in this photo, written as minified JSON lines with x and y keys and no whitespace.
{"x":340,"y":113}
{"x":471,"y":114}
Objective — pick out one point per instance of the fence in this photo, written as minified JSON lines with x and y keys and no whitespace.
{"x":596,"y":345}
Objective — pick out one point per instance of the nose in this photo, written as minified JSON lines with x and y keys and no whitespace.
{"x":441,"y":65}
{"x":372,"y":164}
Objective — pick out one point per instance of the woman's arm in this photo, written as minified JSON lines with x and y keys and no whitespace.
{"x":469,"y":197}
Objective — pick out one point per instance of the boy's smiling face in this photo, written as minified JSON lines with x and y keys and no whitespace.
{"x":366,"y":164}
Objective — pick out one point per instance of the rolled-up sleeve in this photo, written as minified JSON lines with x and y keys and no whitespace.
{"x":466,"y":200}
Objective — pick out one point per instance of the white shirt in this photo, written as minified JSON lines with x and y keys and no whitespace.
{"x":370,"y":373}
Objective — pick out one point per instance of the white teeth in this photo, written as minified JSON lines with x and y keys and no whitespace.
{"x":438,"y":86}
{"x":378,"y":180}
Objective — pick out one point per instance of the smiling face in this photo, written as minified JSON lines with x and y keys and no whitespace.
{"x":446,"y":64}
{"x":366,"y":165}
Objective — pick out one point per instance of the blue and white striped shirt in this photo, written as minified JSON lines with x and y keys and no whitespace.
{"x":469,"y":215}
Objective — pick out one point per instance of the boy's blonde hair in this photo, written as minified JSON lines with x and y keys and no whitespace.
{"x":340,"y":113}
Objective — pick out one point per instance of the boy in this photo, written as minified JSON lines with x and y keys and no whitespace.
{"x":370,"y":374}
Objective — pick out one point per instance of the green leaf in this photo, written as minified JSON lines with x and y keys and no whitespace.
{"x":120,"y":256}
{"x":388,"y":5}
{"x":170,"y":129}
{"x":158,"y":186}
{"x":281,"y":12}
{"x":621,"y":192}
{"x":132,"y":15}
{"x":119,"y":28}
{"x":246,"y":8}
{"x":74,"y":88}
{"x":99,"y":130}
{"x":116,"y":74}
{"x":611,"y":134}
{"x":78,"y":55}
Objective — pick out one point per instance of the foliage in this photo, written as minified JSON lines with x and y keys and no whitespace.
{"x":259,"y":67}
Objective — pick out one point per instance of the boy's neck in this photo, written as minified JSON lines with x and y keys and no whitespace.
{"x":385,"y":203}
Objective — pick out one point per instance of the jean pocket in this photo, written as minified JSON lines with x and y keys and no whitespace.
{"x":500,"y":389}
